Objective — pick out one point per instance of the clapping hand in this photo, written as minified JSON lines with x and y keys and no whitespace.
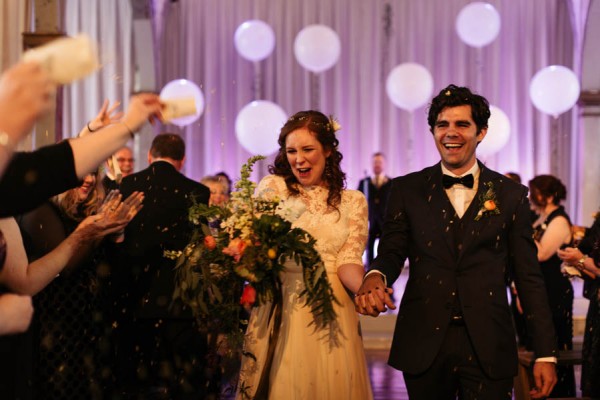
{"x":373,"y":297}
{"x":113,"y":215}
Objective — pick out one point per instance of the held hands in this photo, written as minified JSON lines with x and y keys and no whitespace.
{"x":544,"y":375}
{"x":373,"y":297}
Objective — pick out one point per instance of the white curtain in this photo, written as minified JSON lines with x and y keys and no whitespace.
{"x":110,"y":24}
{"x":195,"y":41}
{"x":12,"y":16}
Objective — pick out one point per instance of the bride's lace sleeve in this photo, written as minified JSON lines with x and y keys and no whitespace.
{"x":271,"y":187}
{"x":358,"y":229}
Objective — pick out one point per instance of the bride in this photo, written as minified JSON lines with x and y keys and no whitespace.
{"x":308,"y":363}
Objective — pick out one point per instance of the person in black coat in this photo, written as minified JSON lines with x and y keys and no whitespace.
{"x":461,"y":226}
{"x":376,"y":189}
{"x":159,"y":349}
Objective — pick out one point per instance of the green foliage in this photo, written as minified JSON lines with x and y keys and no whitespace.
{"x":242,"y":243}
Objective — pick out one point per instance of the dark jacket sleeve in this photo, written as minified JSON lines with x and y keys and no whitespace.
{"x":33,"y":177}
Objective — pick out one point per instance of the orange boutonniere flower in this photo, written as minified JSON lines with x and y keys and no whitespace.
{"x":488,"y":204}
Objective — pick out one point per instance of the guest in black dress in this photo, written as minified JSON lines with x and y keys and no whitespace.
{"x":551,"y":231}
{"x":590,"y":269}
{"x":68,"y":324}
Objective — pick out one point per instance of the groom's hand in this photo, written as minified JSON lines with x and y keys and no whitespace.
{"x":544,"y":375}
{"x":373,"y":297}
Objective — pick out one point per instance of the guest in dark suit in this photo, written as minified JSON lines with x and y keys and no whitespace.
{"x":160,"y":351}
{"x":376,"y":189}
{"x":461,"y":225}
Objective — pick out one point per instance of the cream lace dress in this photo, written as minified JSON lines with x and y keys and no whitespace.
{"x":309,"y":364}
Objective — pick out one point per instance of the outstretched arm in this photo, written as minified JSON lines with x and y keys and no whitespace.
{"x":106,"y":116}
{"x":91,"y":150}
{"x":26,"y":278}
{"x":15,"y":313}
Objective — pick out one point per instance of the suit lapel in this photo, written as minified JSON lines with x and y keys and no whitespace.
{"x":441,"y":209}
{"x":471,"y":227}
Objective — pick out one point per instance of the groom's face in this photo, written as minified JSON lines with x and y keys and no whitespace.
{"x":456,"y":138}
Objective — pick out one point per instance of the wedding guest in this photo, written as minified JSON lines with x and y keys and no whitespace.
{"x":24,"y":277}
{"x":71,"y":324}
{"x":154,"y":336}
{"x":513,"y":176}
{"x":376,"y":189}
{"x":586,"y":258}
{"x":114,"y":173}
{"x":307,"y":364}
{"x":225,"y":178}
{"x":219,"y":189}
{"x":552,"y":230}
{"x":461,"y":226}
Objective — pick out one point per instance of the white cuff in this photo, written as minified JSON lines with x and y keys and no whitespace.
{"x":374,"y":271}
{"x":546,"y":359}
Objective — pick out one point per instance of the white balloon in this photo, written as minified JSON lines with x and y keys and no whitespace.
{"x":497,"y":135}
{"x":254,"y":40}
{"x":478,"y":24}
{"x":409,"y":86}
{"x":257,"y":126}
{"x":554,"y":90}
{"x":317,"y":48}
{"x":181,"y":88}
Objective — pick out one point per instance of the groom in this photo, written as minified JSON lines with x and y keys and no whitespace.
{"x":462,"y":226}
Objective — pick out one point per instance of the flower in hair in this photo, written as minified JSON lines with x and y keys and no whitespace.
{"x":334,"y":124}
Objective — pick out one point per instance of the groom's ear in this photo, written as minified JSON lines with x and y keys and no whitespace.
{"x":481,"y":134}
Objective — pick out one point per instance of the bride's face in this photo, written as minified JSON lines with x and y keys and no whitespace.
{"x":306,"y":157}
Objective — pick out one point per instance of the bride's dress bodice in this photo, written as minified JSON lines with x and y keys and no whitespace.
{"x":341,"y":234}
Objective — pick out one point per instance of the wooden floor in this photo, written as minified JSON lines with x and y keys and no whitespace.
{"x":387,"y":383}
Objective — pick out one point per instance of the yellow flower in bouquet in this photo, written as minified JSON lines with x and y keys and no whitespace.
{"x":237,"y":253}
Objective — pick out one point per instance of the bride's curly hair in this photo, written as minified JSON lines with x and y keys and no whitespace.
{"x":324,"y":130}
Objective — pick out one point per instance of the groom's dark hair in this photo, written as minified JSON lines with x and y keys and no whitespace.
{"x":453,"y":96}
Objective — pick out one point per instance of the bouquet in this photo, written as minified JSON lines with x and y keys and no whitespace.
{"x":235,"y":257}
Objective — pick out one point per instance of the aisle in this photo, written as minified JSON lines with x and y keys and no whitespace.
{"x":387,"y":383}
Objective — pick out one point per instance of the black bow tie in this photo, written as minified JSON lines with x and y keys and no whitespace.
{"x":466,"y":180}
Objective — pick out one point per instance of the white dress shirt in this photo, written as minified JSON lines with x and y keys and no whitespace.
{"x":461,"y":196}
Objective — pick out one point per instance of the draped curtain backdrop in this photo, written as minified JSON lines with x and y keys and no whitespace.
{"x":110,"y":24}
{"x":194,"y":40}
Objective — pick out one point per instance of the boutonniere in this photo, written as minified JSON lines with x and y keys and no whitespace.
{"x":488,"y":204}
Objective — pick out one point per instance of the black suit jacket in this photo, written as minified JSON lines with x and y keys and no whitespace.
{"x":377,"y":200}
{"x":143,"y":279}
{"x":470,"y":266}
